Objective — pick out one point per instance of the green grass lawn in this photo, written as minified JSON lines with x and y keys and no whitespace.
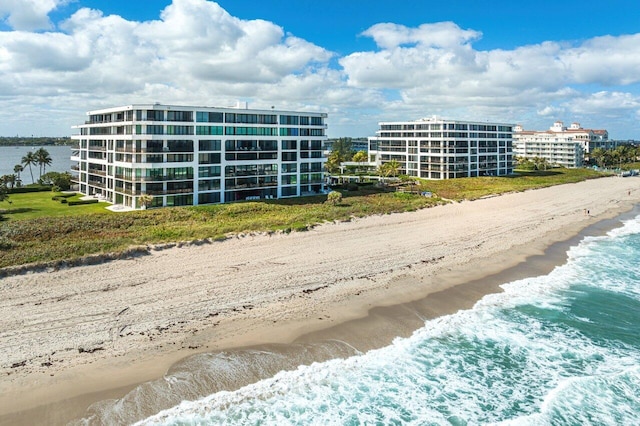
{"x":37,"y":204}
{"x":35,"y":228}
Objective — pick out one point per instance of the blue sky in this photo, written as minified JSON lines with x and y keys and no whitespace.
{"x":361,"y":61}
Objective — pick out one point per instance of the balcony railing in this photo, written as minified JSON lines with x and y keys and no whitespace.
{"x":170,"y":191}
{"x":252,"y":185}
{"x":125,"y":191}
{"x":161,"y":178}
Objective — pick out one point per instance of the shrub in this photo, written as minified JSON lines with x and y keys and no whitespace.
{"x":352,"y":186}
{"x":30,"y":188}
{"x":62,"y":198}
{"x":61,"y":180}
{"x":334,"y":197}
{"x":80,"y":202}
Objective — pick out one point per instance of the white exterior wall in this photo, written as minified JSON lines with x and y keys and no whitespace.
{"x":119,"y":157}
{"x":566,"y":147}
{"x":445,"y":149}
{"x":555,"y":148}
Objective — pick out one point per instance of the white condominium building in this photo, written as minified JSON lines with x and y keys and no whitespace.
{"x":187,"y":155}
{"x":562,"y":146}
{"x":434,"y":148}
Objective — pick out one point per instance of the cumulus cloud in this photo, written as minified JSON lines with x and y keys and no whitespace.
{"x":195,"y":52}
{"x":29,"y":15}
{"x":607,"y":103}
{"x":436,"y":67}
{"x":194,"y":42}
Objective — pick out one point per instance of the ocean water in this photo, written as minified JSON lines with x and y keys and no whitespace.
{"x":12,"y":155}
{"x":560,"y":349}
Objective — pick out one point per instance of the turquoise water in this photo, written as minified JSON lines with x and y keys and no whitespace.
{"x":561,"y":349}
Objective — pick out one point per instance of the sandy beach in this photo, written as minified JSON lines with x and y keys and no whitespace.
{"x":72,"y":337}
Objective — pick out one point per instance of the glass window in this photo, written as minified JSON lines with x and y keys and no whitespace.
{"x":209,"y":117}
{"x":209,"y":130}
{"x":179,"y":116}
{"x":289,"y":156}
{"x":182,"y":145}
{"x":288,"y":144}
{"x":290,"y":168}
{"x":292,"y":120}
{"x":211,"y":171}
{"x":288,"y":191}
{"x":209,"y":145}
{"x":155,"y":129}
{"x":209,"y":185}
{"x":179,"y":130}
{"x":209,"y":198}
{"x":209,"y":158}
{"x":154,"y":115}
{"x":289,"y":131}
{"x":180,"y":200}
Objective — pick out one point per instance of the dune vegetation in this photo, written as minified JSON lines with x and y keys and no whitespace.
{"x":35,"y":228}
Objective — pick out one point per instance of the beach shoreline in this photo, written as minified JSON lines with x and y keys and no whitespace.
{"x":368,"y":281}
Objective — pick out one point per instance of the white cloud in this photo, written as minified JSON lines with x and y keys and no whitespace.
{"x":438,"y":35}
{"x":197,"y":53}
{"x":435,"y":68}
{"x":551,"y":111}
{"x":29,"y":15}
{"x":607,"y":103}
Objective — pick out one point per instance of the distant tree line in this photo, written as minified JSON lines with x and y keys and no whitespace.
{"x":30,"y":141}
{"x":616,"y":157}
{"x":606,"y":158}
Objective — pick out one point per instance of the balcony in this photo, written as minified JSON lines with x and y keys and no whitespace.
{"x":125,"y":191}
{"x":171,"y":191}
{"x":161,"y":178}
{"x":97,"y":172}
{"x":133,"y":150}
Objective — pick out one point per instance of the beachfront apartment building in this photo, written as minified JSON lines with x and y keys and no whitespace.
{"x":188,"y":155}
{"x":436,"y":148}
{"x":567,"y":147}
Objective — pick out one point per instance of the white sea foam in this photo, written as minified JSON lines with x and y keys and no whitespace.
{"x":515,"y":358}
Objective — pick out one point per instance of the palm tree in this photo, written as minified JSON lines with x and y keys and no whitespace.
{"x":4,"y":191}
{"x":17,"y":169}
{"x":28,"y":160}
{"x":360,"y":157}
{"x":9,"y":181}
{"x":145,"y":200}
{"x":393,"y":166}
{"x":43,"y":159}
{"x":599,"y":156}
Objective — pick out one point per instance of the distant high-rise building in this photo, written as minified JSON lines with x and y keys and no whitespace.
{"x":187,"y":155}
{"x":435,"y":148}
